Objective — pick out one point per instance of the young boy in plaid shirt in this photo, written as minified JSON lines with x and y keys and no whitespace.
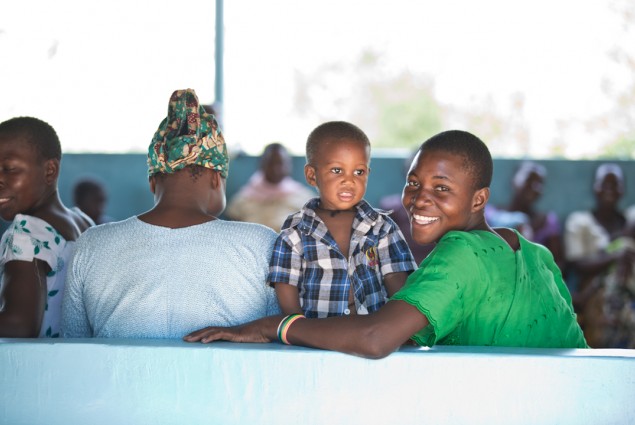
{"x":338,"y":255}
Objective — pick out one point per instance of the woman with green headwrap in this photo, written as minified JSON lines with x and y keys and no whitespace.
{"x":177,"y":267}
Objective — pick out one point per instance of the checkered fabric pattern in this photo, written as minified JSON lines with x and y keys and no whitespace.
{"x":306,"y":255}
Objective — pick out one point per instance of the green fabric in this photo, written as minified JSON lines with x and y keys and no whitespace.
{"x":187,"y":136}
{"x":475,"y":290}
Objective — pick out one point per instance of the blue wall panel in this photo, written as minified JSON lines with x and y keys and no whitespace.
{"x":568,"y":185}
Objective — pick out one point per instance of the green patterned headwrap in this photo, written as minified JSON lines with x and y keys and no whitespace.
{"x":187,"y":136}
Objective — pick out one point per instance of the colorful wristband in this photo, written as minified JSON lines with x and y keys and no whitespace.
{"x":284,"y":325}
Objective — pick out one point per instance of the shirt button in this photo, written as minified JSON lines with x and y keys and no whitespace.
{"x":347,"y":311}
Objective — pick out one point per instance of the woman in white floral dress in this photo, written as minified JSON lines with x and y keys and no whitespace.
{"x":38,"y":243}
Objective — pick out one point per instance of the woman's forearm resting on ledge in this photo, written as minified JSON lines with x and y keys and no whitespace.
{"x":374,"y":336}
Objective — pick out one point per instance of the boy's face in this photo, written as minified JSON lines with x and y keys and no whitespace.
{"x":24,"y":178}
{"x":340,"y":173}
{"x":439,"y":196}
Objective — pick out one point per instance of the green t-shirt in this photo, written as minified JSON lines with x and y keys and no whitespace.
{"x":475,"y":290}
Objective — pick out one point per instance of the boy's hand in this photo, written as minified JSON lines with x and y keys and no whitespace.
{"x":261,"y":330}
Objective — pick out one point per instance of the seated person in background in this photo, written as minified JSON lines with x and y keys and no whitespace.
{"x":630,"y":217}
{"x":338,"y":255}
{"x":540,"y":227}
{"x":90,"y":196}
{"x":175,"y":267}
{"x":479,"y":286}
{"x":40,"y":239}
{"x":602,"y":257}
{"x":393,"y":204}
{"x":271,"y":194}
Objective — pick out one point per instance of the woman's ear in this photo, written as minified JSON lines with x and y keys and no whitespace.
{"x":309,"y":175}
{"x":153,"y":183}
{"x":51,"y":170}
{"x":215,"y":179}
{"x":480,"y":199}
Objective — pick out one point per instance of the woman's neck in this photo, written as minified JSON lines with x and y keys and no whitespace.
{"x":49,"y":204}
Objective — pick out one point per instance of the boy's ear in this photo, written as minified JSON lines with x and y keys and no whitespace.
{"x":51,"y":170}
{"x":480,"y":199}
{"x":309,"y":175}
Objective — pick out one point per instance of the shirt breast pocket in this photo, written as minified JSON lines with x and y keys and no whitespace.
{"x":367,"y":267}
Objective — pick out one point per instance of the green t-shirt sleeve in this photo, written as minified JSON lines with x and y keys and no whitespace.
{"x":442,"y":288}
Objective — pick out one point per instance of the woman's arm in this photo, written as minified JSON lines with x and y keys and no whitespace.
{"x":597,"y":263}
{"x":373,"y":336}
{"x":24,"y":295}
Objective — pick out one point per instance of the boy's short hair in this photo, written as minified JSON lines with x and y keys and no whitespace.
{"x":333,"y":130}
{"x":477,"y":159}
{"x":38,"y":133}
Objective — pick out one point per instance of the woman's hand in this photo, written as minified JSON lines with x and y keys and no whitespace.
{"x":261,"y":330}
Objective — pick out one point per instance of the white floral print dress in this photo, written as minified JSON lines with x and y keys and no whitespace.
{"x":26,"y":239}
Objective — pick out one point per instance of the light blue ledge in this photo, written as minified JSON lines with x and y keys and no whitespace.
{"x":172,"y":382}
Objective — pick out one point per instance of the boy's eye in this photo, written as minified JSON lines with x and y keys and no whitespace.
{"x":441,"y":188}
{"x":412,"y":183}
{"x":360,"y":172}
{"x":336,"y":170}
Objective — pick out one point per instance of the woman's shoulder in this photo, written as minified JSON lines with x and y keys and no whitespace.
{"x":29,"y":237}
{"x":80,"y":218}
{"x":580,"y":218}
{"x":251,"y":230}
{"x":110,"y":230}
{"x":32,"y":226}
{"x":467,"y":237}
{"x":476,"y":241}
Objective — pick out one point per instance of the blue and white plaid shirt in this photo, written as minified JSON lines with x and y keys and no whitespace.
{"x":306,"y":255}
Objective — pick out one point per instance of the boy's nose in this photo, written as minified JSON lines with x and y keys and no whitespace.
{"x":347,"y":178}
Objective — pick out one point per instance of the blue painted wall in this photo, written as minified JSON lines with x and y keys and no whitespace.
{"x":159,"y":382}
{"x":568,"y":185}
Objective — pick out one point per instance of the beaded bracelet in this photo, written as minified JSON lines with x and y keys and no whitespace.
{"x":284,"y":325}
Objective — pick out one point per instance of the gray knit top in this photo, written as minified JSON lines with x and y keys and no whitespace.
{"x":131,"y":279}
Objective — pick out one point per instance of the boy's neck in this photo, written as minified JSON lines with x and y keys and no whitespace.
{"x":339,"y":224}
{"x":333,"y":213}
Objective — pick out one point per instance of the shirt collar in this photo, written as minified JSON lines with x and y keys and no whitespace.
{"x":308,"y":221}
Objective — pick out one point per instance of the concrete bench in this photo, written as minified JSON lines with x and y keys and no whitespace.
{"x":99,"y":381}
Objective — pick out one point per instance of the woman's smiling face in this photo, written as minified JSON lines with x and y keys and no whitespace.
{"x":440,"y":196}
{"x":23,"y":181}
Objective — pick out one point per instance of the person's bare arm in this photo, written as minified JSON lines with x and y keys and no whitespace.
{"x":394,"y":282}
{"x":374,"y":336}
{"x":288,"y":298}
{"x":24,"y":299}
{"x":595,"y":264}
